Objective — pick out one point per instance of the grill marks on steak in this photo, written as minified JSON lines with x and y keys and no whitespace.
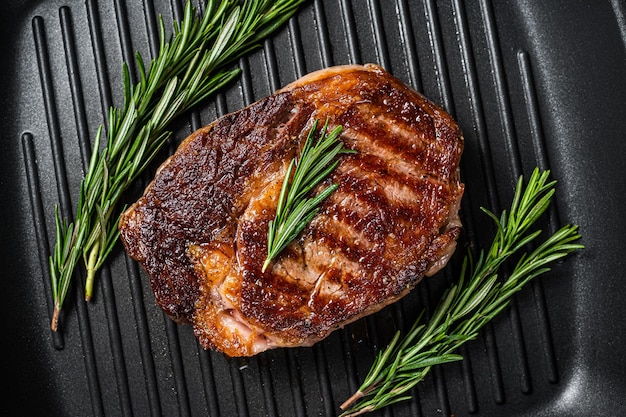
{"x":200,"y":230}
{"x":199,"y":192}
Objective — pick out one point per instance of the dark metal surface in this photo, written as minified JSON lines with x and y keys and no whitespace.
{"x":532,"y":83}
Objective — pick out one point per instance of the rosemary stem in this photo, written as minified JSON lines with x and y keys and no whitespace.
{"x":362,"y":411}
{"x":266,"y":264}
{"x":354,"y":397}
{"x":91,"y":270}
{"x":54,"y":324}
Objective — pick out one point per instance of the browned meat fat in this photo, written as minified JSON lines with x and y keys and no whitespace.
{"x":200,"y":229}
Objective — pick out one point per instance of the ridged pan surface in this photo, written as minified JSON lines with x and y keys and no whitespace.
{"x":530,"y":83}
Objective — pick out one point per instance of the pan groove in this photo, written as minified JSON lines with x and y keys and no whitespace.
{"x":382,"y":52}
{"x":239,"y":390}
{"x":97,"y":46}
{"x":76,"y":88}
{"x":47,"y":86}
{"x":351,"y":33}
{"x":115,"y":341}
{"x":39,"y":221}
{"x":321,"y":363}
{"x":470,"y":77}
{"x":407,"y":33}
{"x":541,"y":156}
{"x":510,"y":140}
{"x":297,"y":391}
{"x":182,"y":396}
{"x":143,"y":338}
{"x":440,"y":67}
{"x":123,"y":31}
{"x":322,"y":33}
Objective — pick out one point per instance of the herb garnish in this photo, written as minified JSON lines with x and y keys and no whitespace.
{"x":467,"y":306}
{"x":189,"y":68}
{"x":295,"y":210}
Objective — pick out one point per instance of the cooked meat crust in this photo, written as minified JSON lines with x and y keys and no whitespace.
{"x":200,"y":229}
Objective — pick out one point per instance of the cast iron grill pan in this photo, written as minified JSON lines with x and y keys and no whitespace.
{"x":530,"y":83}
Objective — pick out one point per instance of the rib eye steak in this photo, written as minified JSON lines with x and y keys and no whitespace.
{"x":200,"y":229}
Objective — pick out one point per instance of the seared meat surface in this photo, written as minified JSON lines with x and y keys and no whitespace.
{"x":200,"y":229}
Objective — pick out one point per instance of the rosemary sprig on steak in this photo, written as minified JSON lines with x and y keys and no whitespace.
{"x":295,"y":210}
{"x":467,"y":306}
{"x":192,"y":65}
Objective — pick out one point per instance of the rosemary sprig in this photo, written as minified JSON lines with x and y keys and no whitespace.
{"x":294,"y":210}
{"x":190,"y":67}
{"x":467,"y":306}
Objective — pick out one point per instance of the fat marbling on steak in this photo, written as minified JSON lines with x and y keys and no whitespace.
{"x":200,"y":229}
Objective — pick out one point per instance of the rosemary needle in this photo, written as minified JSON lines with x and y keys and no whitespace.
{"x":467,"y":306}
{"x":188,"y":68}
{"x":295,"y":210}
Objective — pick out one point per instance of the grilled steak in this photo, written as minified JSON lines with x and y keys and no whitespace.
{"x":200,"y":229}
